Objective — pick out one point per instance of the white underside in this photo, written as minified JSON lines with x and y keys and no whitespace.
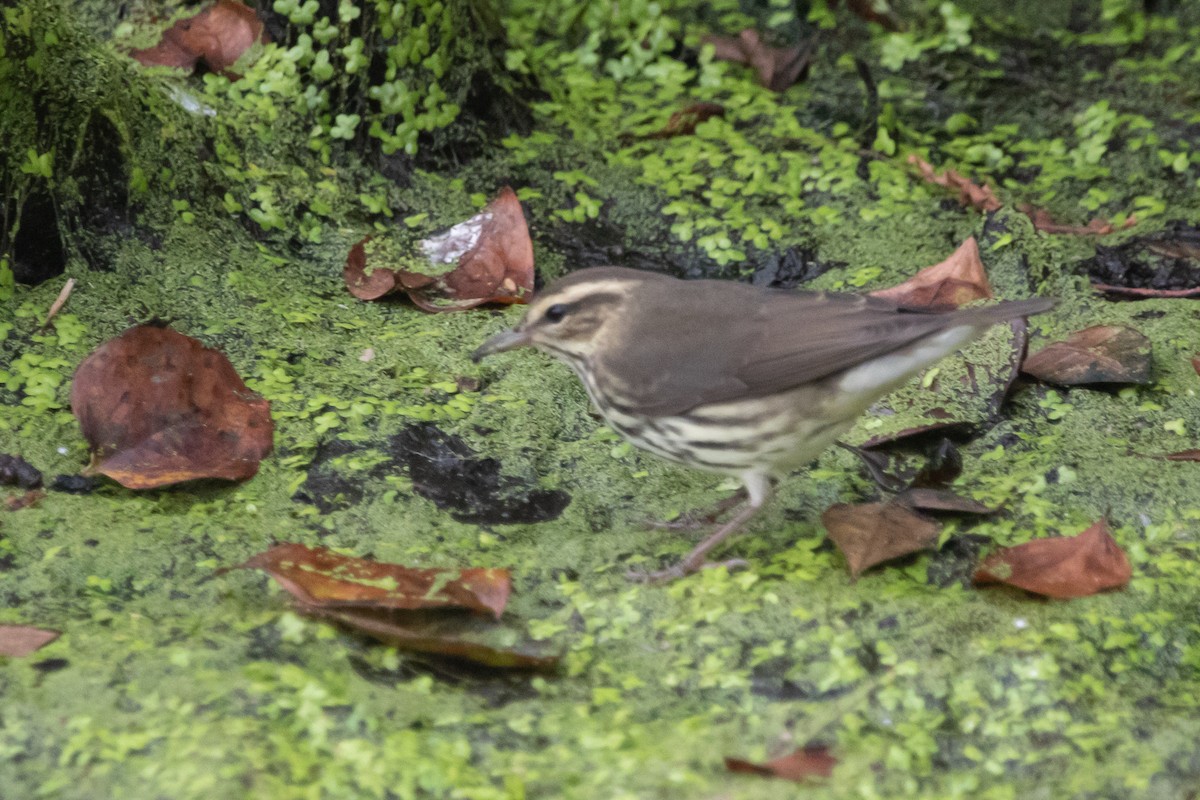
{"x":881,"y":374}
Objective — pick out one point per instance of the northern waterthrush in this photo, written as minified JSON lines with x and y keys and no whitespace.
{"x":729,"y":378}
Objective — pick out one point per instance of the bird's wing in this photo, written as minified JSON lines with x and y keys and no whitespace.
{"x":806,"y":337}
{"x":749,"y":342}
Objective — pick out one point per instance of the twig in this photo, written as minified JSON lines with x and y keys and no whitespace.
{"x":60,"y":301}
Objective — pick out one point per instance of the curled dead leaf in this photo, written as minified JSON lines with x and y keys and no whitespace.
{"x":321,"y":578}
{"x":1043,"y":222}
{"x":943,"y":501}
{"x":219,"y":35}
{"x":684,"y":121}
{"x":1102,"y":354}
{"x":158,"y":408}
{"x":25,"y":500}
{"x":417,"y":609}
{"x":17,"y":641}
{"x":777,"y":67}
{"x":959,"y":279}
{"x":807,"y":762}
{"x":449,"y":635}
{"x":485,"y":259}
{"x":1062,"y":567}
{"x":871,"y":533}
{"x":970,"y":194}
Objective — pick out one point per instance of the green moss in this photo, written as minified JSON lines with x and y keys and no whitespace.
{"x":175,"y":681}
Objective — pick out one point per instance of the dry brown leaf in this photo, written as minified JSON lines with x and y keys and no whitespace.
{"x":29,"y":498}
{"x":322,"y":578}
{"x":872,"y":533}
{"x":942,"y":500}
{"x":777,"y":67}
{"x":17,"y":641}
{"x":417,"y":609}
{"x":1062,"y":567}
{"x":158,"y":407}
{"x":491,"y":254}
{"x":1043,"y":222}
{"x":446,"y":634}
{"x":219,"y":35}
{"x":959,"y":279}
{"x":684,"y":121}
{"x":1100,"y":354}
{"x":807,"y":762}
{"x":970,"y":194}
{"x":368,"y":286}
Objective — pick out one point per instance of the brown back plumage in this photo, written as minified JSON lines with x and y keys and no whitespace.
{"x":687,"y":343}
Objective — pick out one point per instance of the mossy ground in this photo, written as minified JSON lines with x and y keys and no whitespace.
{"x":170,"y":681}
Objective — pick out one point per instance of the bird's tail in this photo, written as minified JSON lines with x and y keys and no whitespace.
{"x":1008,"y":309}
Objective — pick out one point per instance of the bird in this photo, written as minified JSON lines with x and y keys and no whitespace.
{"x":730,"y":378}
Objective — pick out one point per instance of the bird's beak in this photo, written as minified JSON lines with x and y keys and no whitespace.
{"x":505,"y":340}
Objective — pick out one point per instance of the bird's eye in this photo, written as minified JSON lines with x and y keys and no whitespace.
{"x":555,"y":313}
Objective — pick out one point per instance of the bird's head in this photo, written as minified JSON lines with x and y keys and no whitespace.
{"x":572,"y":316}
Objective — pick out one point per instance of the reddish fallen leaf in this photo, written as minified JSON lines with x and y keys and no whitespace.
{"x":1100,"y":354}
{"x":219,"y":35}
{"x":684,"y":121}
{"x":321,"y":578}
{"x":444,"y":634}
{"x":1196,"y":364}
{"x":17,"y":641}
{"x":777,"y":67}
{"x":422,"y":610}
{"x":372,"y":285}
{"x":30,"y":498}
{"x":970,"y":194}
{"x":1183,"y":455}
{"x":486,"y":259}
{"x":941,"y":500}
{"x":872,"y":533}
{"x":158,"y":408}
{"x":959,"y":279}
{"x":807,"y":762}
{"x":1097,"y":227}
{"x":16,"y":471}
{"x":1062,"y":567}
{"x":1138,"y":291}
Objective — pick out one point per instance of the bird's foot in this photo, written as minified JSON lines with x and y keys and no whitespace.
{"x":699,"y":518}
{"x":683,"y":569}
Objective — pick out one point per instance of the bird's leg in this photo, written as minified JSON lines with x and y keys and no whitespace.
{"x":701,"y":517}
{"x":758,"y":489}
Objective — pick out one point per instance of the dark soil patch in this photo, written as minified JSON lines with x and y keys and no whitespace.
{"x":955,"y":562}
{"x":1165,"y":261}
{"x":445,"y":470}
